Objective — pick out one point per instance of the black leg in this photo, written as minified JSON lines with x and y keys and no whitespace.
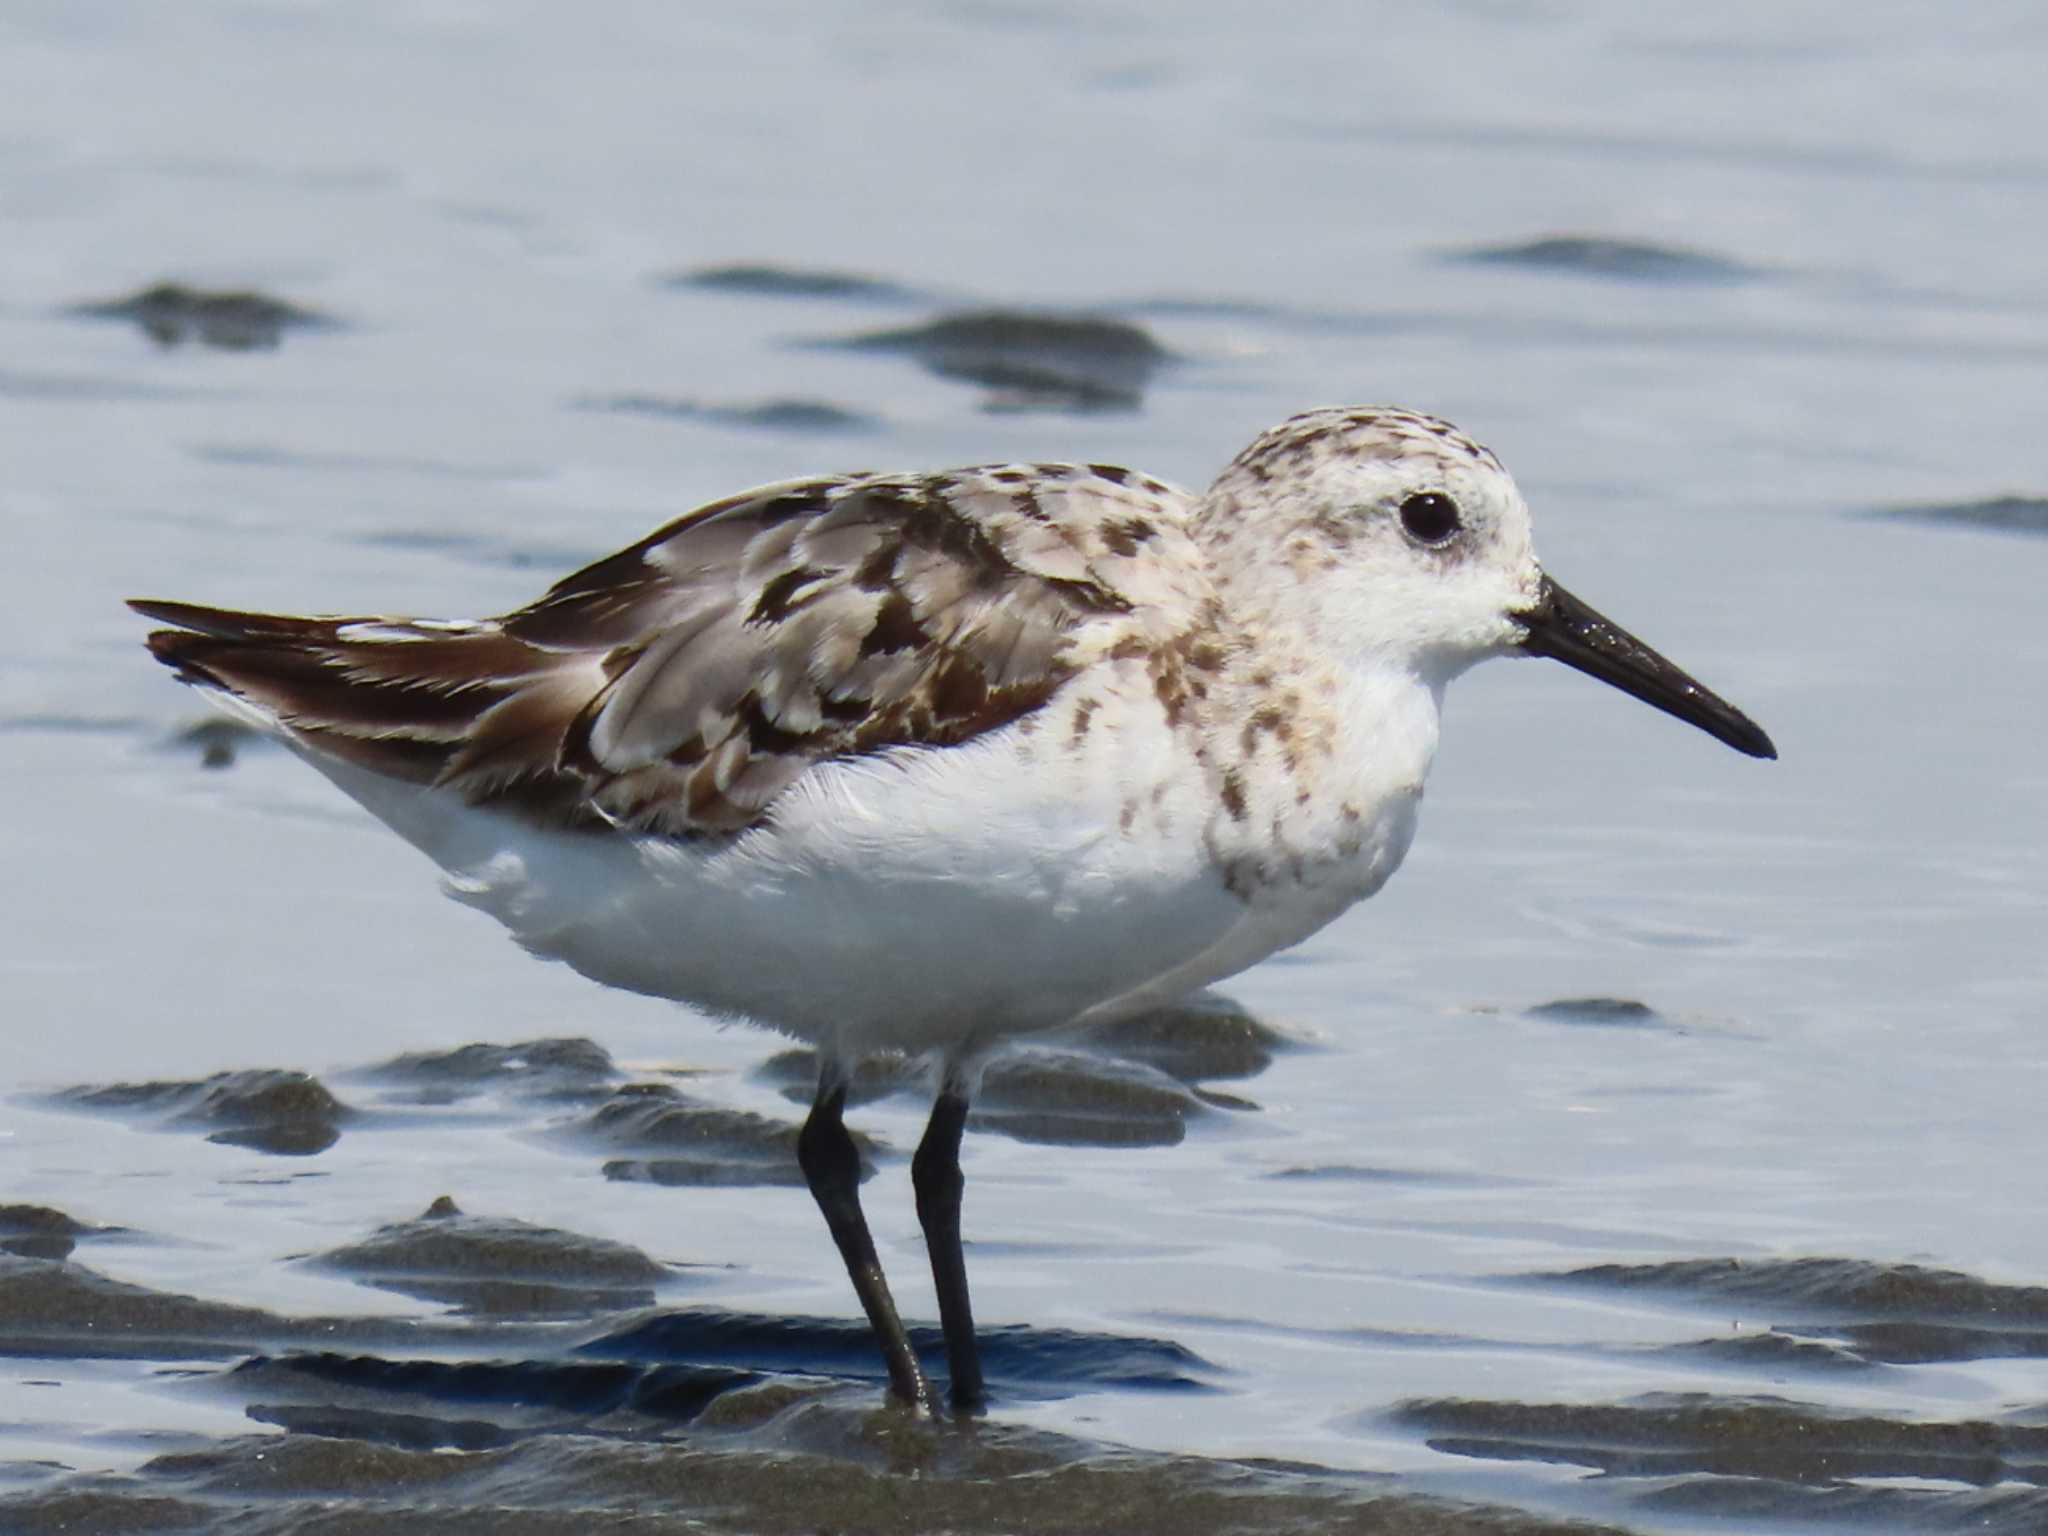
{"x":831,"y":1165}
{"x":935,"y":1174}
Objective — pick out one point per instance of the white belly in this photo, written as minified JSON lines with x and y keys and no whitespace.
{"x":928,"y":899}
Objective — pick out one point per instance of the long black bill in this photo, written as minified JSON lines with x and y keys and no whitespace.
{"x":1562,"y":627}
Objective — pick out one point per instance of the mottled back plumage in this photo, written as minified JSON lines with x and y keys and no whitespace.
{"x":681,"y":684}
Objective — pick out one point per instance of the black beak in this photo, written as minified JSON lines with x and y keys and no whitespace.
{"x":1561,"y":626}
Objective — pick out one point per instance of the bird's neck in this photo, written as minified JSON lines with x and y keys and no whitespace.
{"x":1318,"y":758}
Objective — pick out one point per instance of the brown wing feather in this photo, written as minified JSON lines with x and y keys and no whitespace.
{"x":683,"y":683}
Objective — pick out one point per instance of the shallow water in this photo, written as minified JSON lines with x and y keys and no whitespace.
{"x":1750,"y":301}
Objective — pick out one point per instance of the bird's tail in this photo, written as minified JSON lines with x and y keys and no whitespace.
{"x":404,"y":698}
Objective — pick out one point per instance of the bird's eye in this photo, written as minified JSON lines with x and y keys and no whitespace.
{"x":1431,"y":518}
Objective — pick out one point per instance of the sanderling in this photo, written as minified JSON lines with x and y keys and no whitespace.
{"x":924,"y":761}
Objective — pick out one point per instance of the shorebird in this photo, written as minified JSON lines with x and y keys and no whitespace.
{"x":925,"y":761}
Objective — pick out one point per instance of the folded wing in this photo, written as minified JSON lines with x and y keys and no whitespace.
{"x":682,"y":684}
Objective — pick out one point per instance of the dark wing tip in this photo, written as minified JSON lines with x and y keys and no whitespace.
{"x":164,"y":610}
{"x":175,"y":647}
{"x":234,"y":624}
{"x":205,"y":635}
{"x":187,"y":648}
{"x":198,"y":618}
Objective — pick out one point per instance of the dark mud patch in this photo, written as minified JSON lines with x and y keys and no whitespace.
{"x":1600,"y":1013}
{"x":2000,"y":514}
{"x":678,"y":1141}
{"x":761,"y":280}
{"x":1879,"y":1314}
{"x":1031,"y":361}
{"x":499,"y":1266}
{"x":1692,"y":1434}
{"x":1835,"y":1287}
{"x":1130,"y":1083}
{"x":1020,"y":1361}
{"x":240,"y":320}
{"x":1637,"y":261}
{"x":64,"y":1311}
{"x":781,"y":415}
{"x":42,"y":1232}
{"x":1204,"y":1038}
{"x":758,"y":1458}
{"x":217,"y":742}
{"x":472,"y":1404}
{"x":1033,"y":1093}
{"x":1071,"y":1099}
{"x":288,"y":1114}
{"x":554,"y":1069}
{"x":1753,"y":1504}
{"x":1768,"y":1352}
